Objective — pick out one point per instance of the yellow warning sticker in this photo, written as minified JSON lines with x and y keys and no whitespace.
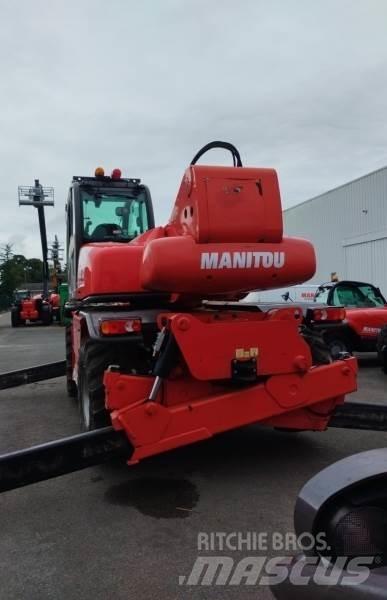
{"x":243,"y":353}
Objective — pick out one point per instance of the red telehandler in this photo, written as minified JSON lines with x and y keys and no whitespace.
{"x":160,"y":353}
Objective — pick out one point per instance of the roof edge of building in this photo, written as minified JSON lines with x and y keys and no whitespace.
{"x":335,"y":188}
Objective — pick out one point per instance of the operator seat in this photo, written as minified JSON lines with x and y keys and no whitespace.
{"x":104,"y":230}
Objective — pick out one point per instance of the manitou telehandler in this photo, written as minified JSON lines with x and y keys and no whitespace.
{"x":159,"y":351}
{"x":34,"y":308}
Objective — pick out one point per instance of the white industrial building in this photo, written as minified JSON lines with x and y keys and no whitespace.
{"x":348,"y":228}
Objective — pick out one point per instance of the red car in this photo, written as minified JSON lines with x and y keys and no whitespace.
{"x":366,"y":314}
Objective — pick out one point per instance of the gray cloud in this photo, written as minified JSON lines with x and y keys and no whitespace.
{"x":298,"y":85}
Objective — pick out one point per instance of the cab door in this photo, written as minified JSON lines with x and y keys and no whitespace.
{"x":71,"y":244}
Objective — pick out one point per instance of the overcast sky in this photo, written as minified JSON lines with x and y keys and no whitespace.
{"x":299,"y":85}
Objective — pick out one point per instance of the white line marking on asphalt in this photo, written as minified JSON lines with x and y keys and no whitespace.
{"x":17,"y":346}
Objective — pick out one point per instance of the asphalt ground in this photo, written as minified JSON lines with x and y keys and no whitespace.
{"x":118,"y":532}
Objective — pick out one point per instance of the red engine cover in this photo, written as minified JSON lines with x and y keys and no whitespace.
{"x":228,"y":204}
{"x":29,"y":310}
{"x":179,"y":264}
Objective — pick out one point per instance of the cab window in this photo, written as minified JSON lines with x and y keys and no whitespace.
{"x":347,"y":296}
{"x":321,"y":295}
{"x":372,"y":294}
{"x":113,"y":217}
{"x":360,"y":296}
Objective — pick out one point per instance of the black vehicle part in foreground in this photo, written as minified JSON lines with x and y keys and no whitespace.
{"x":347,"y":503}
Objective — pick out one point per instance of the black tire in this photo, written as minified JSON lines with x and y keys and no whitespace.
{"x":381,"y":347}
{"x":46,"y":315}
{"x":71,"y":386}
{"x":320,"y":356}
{"x":15,"y":319}
{"x":320,"y":351}
{"x":94,"y":358}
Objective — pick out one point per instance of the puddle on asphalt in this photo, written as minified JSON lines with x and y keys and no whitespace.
{"x":159,"y":498}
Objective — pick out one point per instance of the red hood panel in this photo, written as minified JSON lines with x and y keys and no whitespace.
{"x":110,"y":268}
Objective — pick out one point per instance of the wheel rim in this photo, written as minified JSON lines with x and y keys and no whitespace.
{"x":336,"y":347}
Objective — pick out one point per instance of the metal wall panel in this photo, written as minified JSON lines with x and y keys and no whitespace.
{"x":358,"y":261}
{"x":380,"y":263}
{"x":348,"y":227}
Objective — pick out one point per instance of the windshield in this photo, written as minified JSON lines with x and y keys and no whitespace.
{"x":361,"y":296}
{"x":22,"y":295}
{"x":110,"y":216}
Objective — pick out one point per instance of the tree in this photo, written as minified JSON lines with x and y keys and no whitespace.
{"x":34,"y":267}
{"x":16,"y":271}
{"x":6,"y":253}
{"x":9,"y":275}
{"x":16,"y":264}
{"x":58,"y":275}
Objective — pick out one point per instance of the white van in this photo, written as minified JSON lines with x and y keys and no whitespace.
{"x":295,"y":293}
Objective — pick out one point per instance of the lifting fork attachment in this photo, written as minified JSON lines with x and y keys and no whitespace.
{"x":84,"y":450}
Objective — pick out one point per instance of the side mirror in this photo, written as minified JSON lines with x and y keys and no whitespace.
{"x":286,"y":296}
{"x":344,"y":510}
